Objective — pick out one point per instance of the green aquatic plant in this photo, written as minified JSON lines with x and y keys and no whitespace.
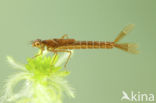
{"x":40,"y":81}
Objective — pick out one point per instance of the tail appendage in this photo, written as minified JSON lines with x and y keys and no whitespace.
{"x":128,"y":47}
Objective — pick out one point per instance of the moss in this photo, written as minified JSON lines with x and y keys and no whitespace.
{"x":44,"y":82}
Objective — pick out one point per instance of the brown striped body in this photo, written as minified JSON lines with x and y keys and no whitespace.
{"x":72,"y":44}
{"x":93,"y":45}
{"x":62,"y":44}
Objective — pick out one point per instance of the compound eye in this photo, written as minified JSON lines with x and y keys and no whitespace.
{"x":37,"y":43}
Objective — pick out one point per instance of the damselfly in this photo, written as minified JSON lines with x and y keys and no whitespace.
{"x":65,"y":44}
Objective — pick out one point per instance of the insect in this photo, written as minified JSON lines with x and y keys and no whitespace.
{"x":65,"y":44}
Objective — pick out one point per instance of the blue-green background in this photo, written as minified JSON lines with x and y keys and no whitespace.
{"x":98,"y":76}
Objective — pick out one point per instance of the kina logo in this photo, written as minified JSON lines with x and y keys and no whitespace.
{"x":137,"y":96}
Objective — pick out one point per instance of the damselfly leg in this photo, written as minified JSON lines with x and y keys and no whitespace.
{"x":41,"y":52}
{"x":66,"y":51}
{"x":65,"y":36}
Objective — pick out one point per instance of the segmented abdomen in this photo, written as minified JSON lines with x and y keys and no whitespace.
{"x":88,"y":45}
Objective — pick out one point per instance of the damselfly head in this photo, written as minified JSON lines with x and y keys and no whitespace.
{"x":36,"y":43}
